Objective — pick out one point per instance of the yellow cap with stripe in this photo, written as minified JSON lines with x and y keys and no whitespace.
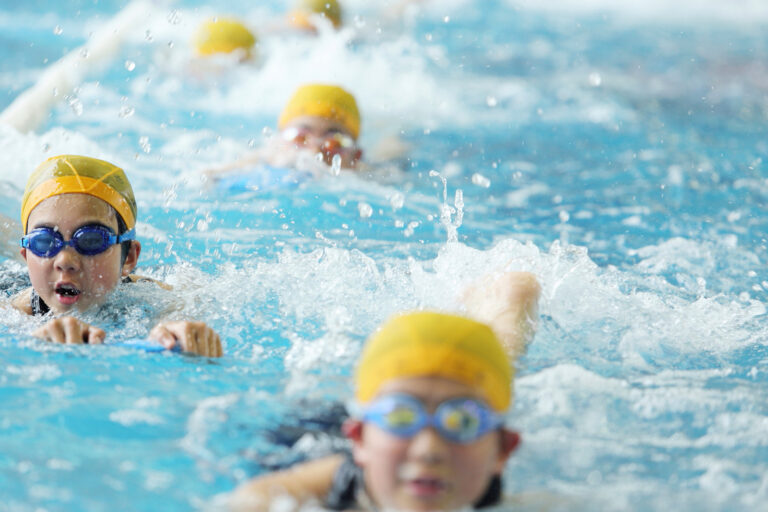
{"x":436,"y":345}
{"x":300,"y":15}
{"x":223,"y":35}
{"x":75,"y":174}
{"x":320,"y":100}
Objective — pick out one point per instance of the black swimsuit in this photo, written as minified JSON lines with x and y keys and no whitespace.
{"x":348,"y":488}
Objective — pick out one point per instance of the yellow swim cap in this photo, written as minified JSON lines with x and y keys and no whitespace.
{"x":328,"y":101}
{"x":73,"y":174}
{"x":436,"y":344}
{"x":304,"y":9}
{"x":222,"y":35}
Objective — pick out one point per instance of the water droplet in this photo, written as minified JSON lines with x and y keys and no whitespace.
{"x":125,"y":111}
{"x":170,"y":44}
{"x":397,"y":200}
{"x":76,"y":105}
{"x":174,"y":17}
{"x":144,"y":143}
{"x":411,"y":227}
{"x":336,"y":165}
{"x":491,"y":101}
{"x":564,"y":216}
{"x":148,"y":35}
{"x":480,"y":180}
{"x":130,"y":65}
{"x":46,"y":147}
{"x":595,"y":79}
{"x":84,"y":53}
{"x":58,"y":30}
{"x":428,"y":37}
{"x":365,"y":210}
{"x":447,"y":19}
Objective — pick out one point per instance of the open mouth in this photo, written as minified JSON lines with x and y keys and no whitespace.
{"x":66,"y":290}
{"x":426,"y":486}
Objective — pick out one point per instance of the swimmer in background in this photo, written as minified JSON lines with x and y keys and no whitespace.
{"x":428,"y":429}
{"x":78,"y":217}
{"x":306,"y":14}
{"x":225,"y":36}
{"x":219,"y":45}
{"x":318,"y":128}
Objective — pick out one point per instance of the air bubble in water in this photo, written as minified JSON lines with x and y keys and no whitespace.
{"x":365,"y":210}
{"x":144,"y":143}
{"x":491,"y":101}
{"x":480,"y":180}
{"x":58,"y":30}
{"x":595,"y":79}
{"x":130,"y":65}
{"x":564,"y":216}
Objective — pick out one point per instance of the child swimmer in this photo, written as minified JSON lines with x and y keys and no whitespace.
{"x":78,"y":217}
{"x":428,"y":430}
{"x":305,"y":14}
{"x":319,"y":127}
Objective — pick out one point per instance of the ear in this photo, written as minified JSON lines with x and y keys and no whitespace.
{"x":23,"y":253}
{"x":509,"y":440}
{"x":132,"y":259}
{"x":353,"y":430}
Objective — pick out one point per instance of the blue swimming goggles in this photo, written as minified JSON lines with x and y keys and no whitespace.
{"x":88,"y":240}
{"x":460,"y":420}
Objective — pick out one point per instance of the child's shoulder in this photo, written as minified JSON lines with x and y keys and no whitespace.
{"x":22,"y":301}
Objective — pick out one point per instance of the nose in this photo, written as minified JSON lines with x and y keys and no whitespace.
{"x":428,"y":446}
{"x":68,"y":260}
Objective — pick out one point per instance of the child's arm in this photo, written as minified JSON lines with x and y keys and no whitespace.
{"x":248,"y":160}
{"x":303,"y":483}
{"x":509,"y":304}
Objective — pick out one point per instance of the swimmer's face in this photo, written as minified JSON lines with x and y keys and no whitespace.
{"x":69,"y":280}
{"x":322,"y":136}
{"x":427,"y":472}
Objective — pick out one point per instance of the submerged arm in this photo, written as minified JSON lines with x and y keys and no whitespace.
{"x":300,"y":484}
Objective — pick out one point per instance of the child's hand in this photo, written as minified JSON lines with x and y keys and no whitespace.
{"x":193,"y":337}
{"x":70,"y":330}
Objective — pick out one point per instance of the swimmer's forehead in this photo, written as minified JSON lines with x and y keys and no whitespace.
{"x":72,"y":209}
{"x":430,"y":390}
{"x":317,"y":124}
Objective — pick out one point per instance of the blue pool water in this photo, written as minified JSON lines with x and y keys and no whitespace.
{"x":616,"y":152}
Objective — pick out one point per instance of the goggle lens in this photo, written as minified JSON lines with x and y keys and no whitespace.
{"x":87,"y":240}
{"x":460,"y":420}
